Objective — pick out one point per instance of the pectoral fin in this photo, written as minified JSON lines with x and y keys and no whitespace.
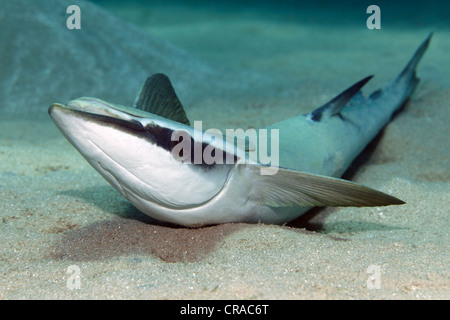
{"x":294,"y":188}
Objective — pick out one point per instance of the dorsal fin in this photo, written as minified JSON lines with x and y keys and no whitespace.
{"x":157,"y":96}
{"x":335,"y":106}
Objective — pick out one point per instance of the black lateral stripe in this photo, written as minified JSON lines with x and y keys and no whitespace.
{"x":163,"y":138}
{"x":124,"y":125}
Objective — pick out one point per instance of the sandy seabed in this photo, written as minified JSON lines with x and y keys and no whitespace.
{"x":56,"y":211}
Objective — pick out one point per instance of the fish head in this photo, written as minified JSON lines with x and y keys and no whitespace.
{"x":133,"y":150}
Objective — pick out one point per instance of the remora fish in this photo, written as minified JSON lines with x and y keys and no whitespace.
{"x":131,"y":148}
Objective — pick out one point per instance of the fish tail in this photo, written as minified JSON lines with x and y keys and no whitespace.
{"x":407,"y":78}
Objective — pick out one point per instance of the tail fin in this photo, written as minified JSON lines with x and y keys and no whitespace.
{"x":408,"y":76}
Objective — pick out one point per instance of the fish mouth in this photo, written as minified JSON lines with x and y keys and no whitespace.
{"x":108,"y":114}
{"x":102,"y":116}
{"x":99,"y":107}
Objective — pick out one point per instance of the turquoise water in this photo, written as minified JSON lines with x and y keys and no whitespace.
{"x":233,"y":65}
{"x":246,"y":34}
